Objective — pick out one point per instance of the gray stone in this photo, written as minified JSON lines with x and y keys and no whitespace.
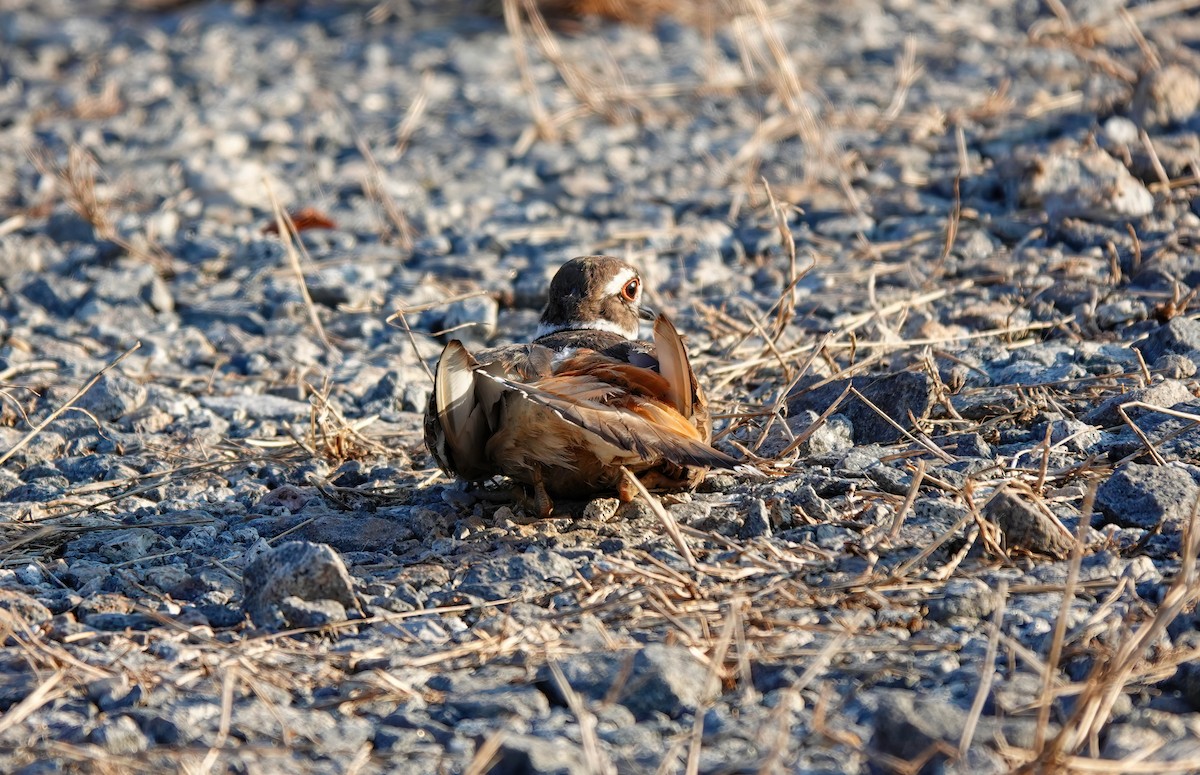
{"x":298,"y":612}
{"x":119,"y":735}
{"x":963,"y":599}
{"x":1026,"y":527}
{"x":1144,"y":496}
{"x":896,"y":395}
{"x":25,"y":611}
{"x":356,"y":533}
{"x":757,"y":521}
{"x":1189,"y":680}
{"x":258,"y":407}
{"x":1165,"y":394}
{"x":60,"y":297}
{"x":1120,"y":130}
{"x":1175,"y":366}
{"x":1083,"y":183}
{"x":113,"y":397}
{"x":655,"y":679}
{"x":117,"y":546}
{"x":836,"y":433}
{"x":1178,"y":335}
{"x":1166,"y":96}
{"x":311,"y":572}
{"x":494,"y":703}
{"x":41,"y":490}
{"x":472,"y":319}
{"x":908,"y":728}
{"x":109,"y":694}
{"x":844,"y":227}
{"x":899,"y":396}
{"x":515,"y":575}
{"x":527,"y":755}
{"x":1070,"y":435}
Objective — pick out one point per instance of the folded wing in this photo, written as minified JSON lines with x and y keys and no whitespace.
{"x":641,"y":426}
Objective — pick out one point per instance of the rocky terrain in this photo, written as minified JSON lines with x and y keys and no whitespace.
{"x":937,"y":264}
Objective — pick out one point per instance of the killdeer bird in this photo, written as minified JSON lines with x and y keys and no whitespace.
{"x":565,"y":413}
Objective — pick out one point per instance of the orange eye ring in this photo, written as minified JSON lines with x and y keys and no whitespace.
{"x":630,"y":291}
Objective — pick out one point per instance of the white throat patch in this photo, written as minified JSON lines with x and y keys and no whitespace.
{"x":592,"y":325}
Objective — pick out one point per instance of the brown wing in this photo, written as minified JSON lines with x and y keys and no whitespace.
{"x":612,"y":402}
{"x":463,"y":409}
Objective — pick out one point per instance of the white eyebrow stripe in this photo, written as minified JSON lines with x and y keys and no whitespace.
{"x":617,"y":283}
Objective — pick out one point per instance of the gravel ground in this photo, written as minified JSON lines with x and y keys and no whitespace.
{"x":936,"y":263}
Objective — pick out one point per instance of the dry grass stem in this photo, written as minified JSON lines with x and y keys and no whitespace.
{"x":376,"y":189}
{"x":989,"y":670}
{"x":712,"y":680}
{"x":668,"y":521}
{"x":1046,"y":698}
{"x":66,"y":405}
{"x":77,"y":183}
{"x":593,"y":754}
{"x":290,"y":237}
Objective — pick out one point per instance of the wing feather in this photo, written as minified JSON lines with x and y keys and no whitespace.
{"x":627,"y":429}
{"x":673,"y":365}
{"x":464,"y":426}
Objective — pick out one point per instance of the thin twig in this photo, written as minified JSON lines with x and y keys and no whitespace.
{"x":668,"y":521}
{"x":289,"y":235}
{"x":69,"y":403}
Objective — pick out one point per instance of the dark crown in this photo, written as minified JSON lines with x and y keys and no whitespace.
{"x":594,"y":292}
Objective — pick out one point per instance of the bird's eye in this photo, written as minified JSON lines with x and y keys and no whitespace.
{"x":630,"y":291}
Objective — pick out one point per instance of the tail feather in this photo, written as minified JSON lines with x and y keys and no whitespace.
{"x":464,"y":427}
{"x":673,"y":365}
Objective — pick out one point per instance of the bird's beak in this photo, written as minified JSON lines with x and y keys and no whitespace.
{"x":646,"y":313}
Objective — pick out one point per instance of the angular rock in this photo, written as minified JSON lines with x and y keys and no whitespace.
{"x":109,"y":694}
{"x":119,"y":735}
{"x":656,"y":679}
{"x":896,"y":395}
{"x":967,"y":599}
{"x":15,"y":687}
{"x":113,"y":397}
{"x":513,"y":575}
{"x":1166,"y":96}
{"x":903,"y":731}
{"x":356,"y":533}
{"x":757,"y":521}
{"x":528,"y":755}
{"x":1086,"y":183}
{"x":490,"y":703}
{"x":1179,"y":335}
{"x":25,"y":611}
{"x":1145,"y":496}
{"x":1190,"y":674}
{"x":258,"y":407}
{"x":60,"y":297}
{"x":1165,"y":394}
{"x":836,"y":433}
{"x":1026,"y":527}
{"x":298,"y":612}
{"x":308,"y":571}
{"x":474,"y":318}
{"x":908,"y":728}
